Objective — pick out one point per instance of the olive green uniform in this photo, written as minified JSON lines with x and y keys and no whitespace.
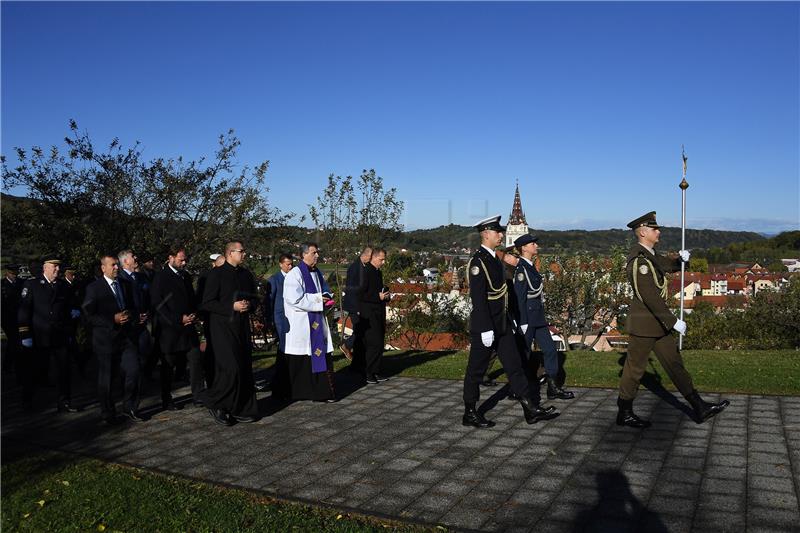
{"x":650,"y":322}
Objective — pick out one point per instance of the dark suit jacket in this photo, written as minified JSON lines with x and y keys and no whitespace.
{"x":274,"y":312}
{"x":354,"y":286}
{"x":487,"y":315}
{"x":370,"y":304}
{"x":44,"y":312}
{"x":10,"y":304}
{"x":141,"y":286}
{"x":173,"y":296}
{"x":99,"y":308}
{"x":529,"y":308}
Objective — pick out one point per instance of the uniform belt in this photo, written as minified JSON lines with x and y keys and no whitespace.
{"x":533,"y":296}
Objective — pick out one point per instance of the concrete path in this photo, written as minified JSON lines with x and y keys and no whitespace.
{"x":398,"y":450}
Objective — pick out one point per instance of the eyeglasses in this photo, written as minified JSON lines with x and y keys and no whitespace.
{"x":240,"y":251}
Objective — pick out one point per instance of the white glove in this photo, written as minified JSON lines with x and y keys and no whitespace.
{"x":680,"y":327}
{"x":487,"y":338}
{"x":685,"y":255}
{"x":524,"y":328}
{"x":28,"y":343}
{"x":75,"y":313}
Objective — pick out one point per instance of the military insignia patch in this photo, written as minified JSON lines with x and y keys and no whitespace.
{"x":24,"y":292}
{"x":520,"y":276}
{"x":474,"y":270}
{"x":643,"y":269}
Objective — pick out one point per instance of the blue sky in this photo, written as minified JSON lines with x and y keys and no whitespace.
{"x":586,"y":104}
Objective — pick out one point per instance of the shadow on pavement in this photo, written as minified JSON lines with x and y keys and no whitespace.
{"x":617,"y":509}
{"x":652,"y":381}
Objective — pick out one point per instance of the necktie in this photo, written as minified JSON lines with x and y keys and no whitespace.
{"x":118,"y":295}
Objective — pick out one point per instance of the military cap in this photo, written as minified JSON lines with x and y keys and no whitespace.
{"x":51,"y":258}
{"x":67,"y":266}
{"x":522,"y":240}
{"x":492,"y":223}
{"x":12,"y":268}
{"x":648,"y":220}
{"x":214,"y":257}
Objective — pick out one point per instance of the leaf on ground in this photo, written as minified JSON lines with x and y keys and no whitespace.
{"x":40,"y":503}
{"x":338,"y":517}
{"x":26,"y":515}
{"x":65,"y":483}
{"x":101,"y":527}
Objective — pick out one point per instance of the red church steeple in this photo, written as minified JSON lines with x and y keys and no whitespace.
{"x":517,"y":215}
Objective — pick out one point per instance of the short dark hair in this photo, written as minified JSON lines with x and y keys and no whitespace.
{"x":230,"y":245}
{"x":175,"y":248}
{"x":282,"y":257}
{"x":378,"y":250}
{"x":306,"y":245}
{"x":112,"y":256}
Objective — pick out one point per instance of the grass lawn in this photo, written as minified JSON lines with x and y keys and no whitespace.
{"x":57,"y":492}
{"x":750,"y":372}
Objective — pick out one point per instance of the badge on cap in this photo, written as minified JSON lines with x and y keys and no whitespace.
{"x":474,"y":270}
{"x":643,"y":269}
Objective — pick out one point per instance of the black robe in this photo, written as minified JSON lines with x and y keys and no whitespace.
{"x":233,"y":389}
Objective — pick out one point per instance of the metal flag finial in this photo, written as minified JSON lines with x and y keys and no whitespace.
{"x":684,"y":184}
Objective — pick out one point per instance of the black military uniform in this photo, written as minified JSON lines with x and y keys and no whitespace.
{"x":649,"y":326}
{"x":11,"y":291}
{"x":528,"y":291}
{"x":44,"y":327}
{"x":491,"y":323}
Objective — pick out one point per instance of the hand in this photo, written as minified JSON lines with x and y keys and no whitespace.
{"x":187,"y":319}
{"x":685,"y":255}
{"x":241,"y":306}
{"x":680,"y":327}
{"x":75,"y":313}
{"x":28,"y":343}
{"x":142,"y":318}
{"x":122,"y":317}
{"x":487,"y":338}
{"x":524,"y":328}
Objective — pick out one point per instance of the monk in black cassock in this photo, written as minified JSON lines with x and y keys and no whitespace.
{"x":229,"y":297}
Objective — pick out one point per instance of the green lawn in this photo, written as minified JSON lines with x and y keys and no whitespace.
{"x":57,"y":492}
{"x":751,"y":372}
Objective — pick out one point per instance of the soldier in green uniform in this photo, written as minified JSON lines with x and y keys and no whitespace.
{"x":650,"y":323}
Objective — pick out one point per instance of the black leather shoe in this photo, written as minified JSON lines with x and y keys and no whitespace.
{"x":704,"y":410}
{"x":555,"y":392}
{"x":220,"y":417}
{"x":171,"y":406}
{"x":626,"y":416}
{"x":371,"y":380}
{"x":488,"y":383}
{"x":133,"y":415}
{"x":245,"y":419}
{"x":380,"y":378}
{"x":473,"y":418}
{"x":66,"y":407}
{"x":535,"y":413}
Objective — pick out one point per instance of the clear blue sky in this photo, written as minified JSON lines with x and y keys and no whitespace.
{"x":587,"y":104}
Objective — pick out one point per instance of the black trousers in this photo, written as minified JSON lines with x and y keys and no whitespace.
{"x":196,"y":371}
{"x":110,"y":366}
{"x":34,"y":366}
{"x":372,"y":329}
{"x":510,"y":357}
{"x":11,"y":348}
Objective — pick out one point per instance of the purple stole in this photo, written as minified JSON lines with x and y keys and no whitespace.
{"x":319,"y":341}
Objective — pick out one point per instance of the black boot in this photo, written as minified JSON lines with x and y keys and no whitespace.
{"x":626,"y":416}
{"x":704,"y":410}
{"x":556,"y":392}
{"x":534,"y":412}
{"x":473,"y":418}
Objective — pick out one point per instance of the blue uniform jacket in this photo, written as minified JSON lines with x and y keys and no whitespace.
{"x":528,"y":291}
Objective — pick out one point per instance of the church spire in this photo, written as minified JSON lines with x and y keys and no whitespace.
{"x":517,"y":215}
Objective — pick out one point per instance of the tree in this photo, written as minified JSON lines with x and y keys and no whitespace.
{"x":90,"y":200}
{"x":698,"y":264}
{"x":348,"y":217}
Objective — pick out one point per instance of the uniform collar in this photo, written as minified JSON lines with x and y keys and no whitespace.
{"x":527,"y":260}
{"x":651,"y":250}
{"x":492,"y":252}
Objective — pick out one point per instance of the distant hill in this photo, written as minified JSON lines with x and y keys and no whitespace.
{"x":451,"y":237}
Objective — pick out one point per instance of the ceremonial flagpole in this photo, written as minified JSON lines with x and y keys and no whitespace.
{"x":683,"y":185}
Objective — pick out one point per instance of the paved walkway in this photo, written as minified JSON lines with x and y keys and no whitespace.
{"x":398,"y":450}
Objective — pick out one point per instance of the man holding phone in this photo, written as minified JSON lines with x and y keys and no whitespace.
{"x":371,"y":327}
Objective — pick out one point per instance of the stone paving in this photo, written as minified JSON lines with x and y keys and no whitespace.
{"x":397,"y":449}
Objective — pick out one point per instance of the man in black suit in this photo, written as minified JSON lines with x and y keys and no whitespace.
{"x":109,"y":309}
{"x":129,"y":264}
{"x":217,"y":260}
{"x":354,"y":287}
{"x":371,"y":328}
{"x":44,"y":321}
{"x":491,"y":328}
{"x":12,"y":289}
{"x":174,"y":307}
